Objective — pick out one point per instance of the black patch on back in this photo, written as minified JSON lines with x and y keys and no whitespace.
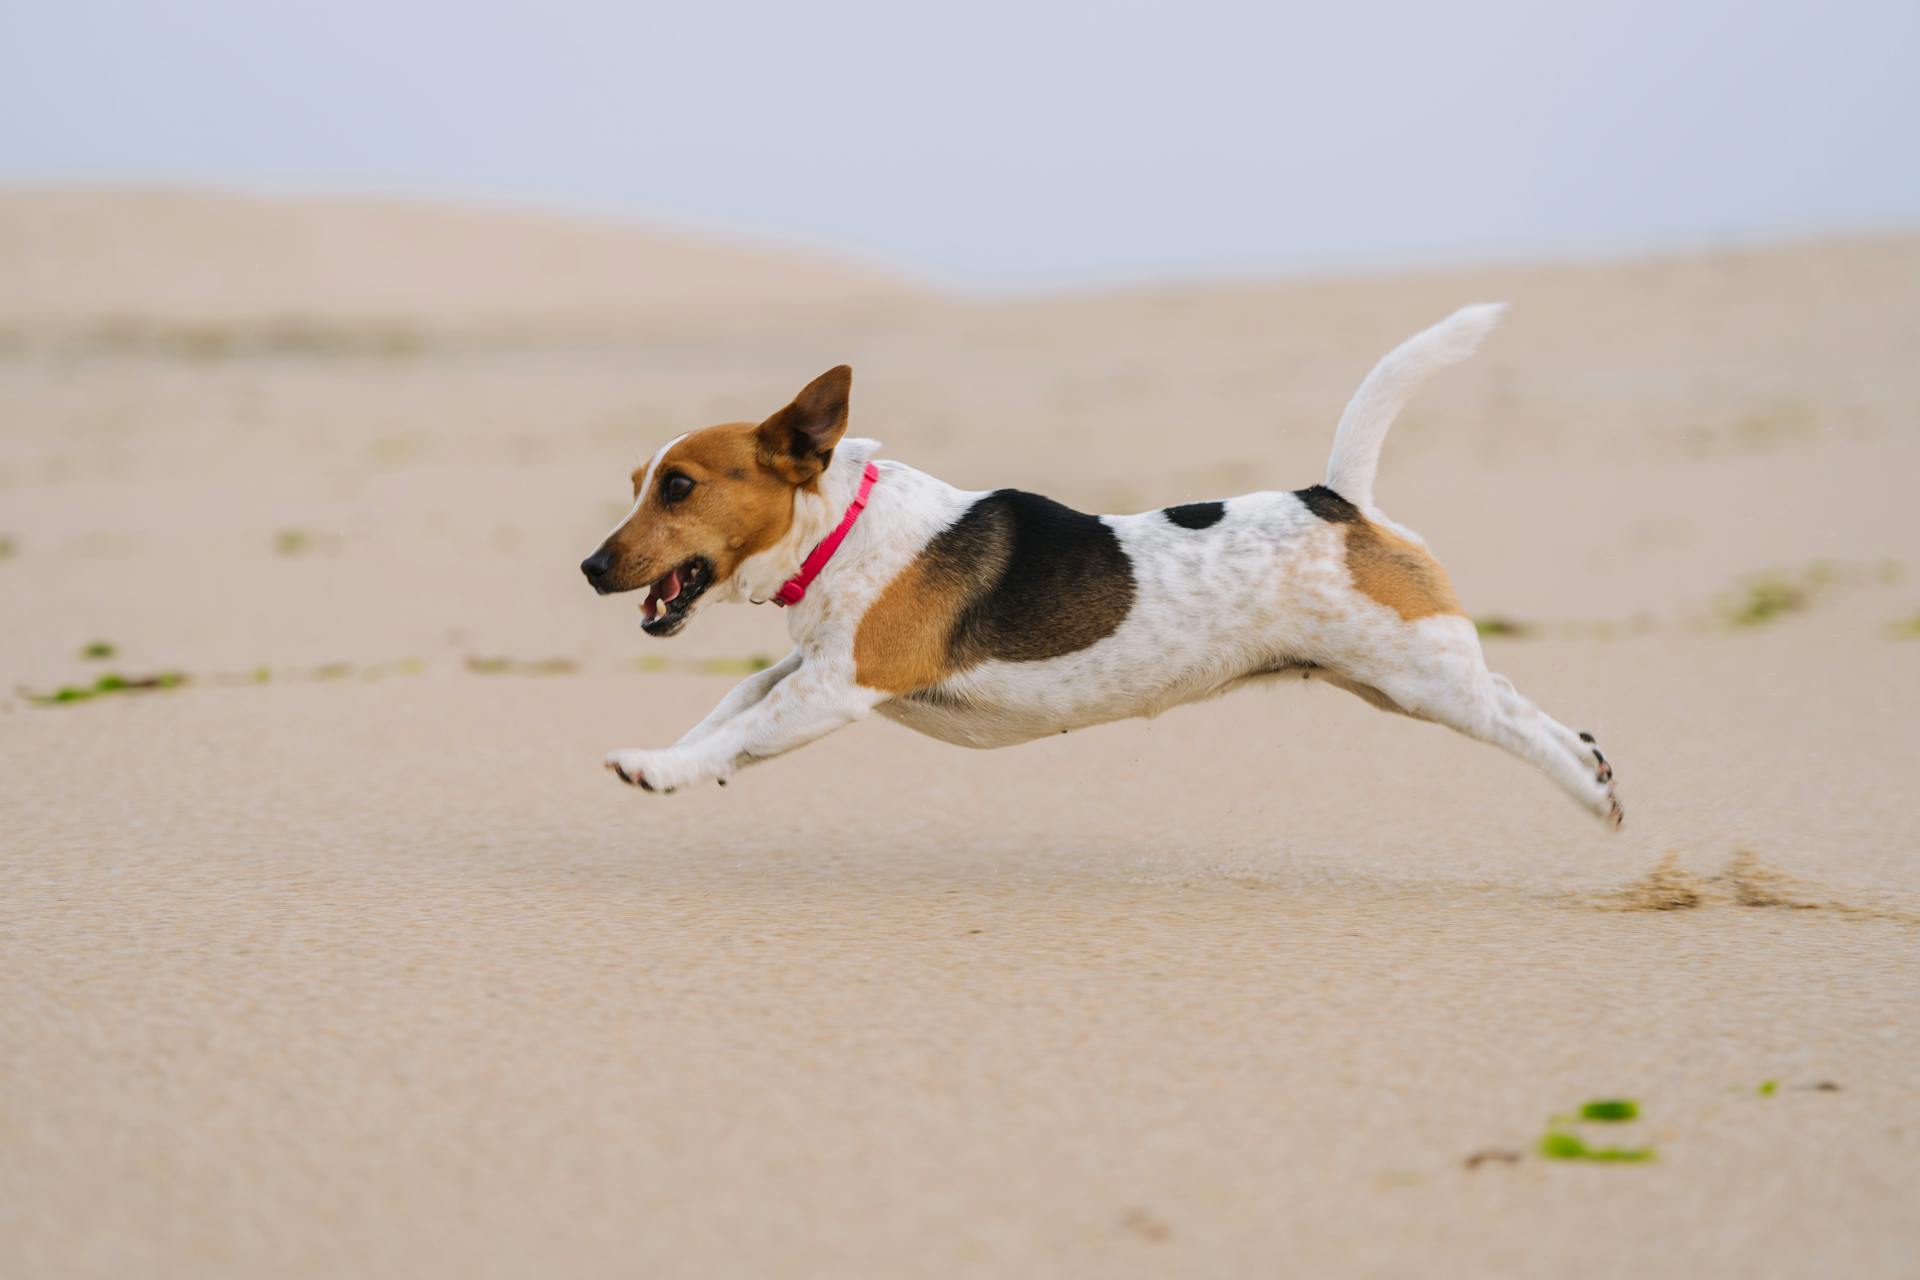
{"x":1196,"y":515}
{"x":1328,"y":505}
{"x":1043,"y":579}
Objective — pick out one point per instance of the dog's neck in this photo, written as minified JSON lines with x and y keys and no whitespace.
{"x":816,"y":511}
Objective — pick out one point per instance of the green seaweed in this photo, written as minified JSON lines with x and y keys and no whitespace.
{"x":292,"y":542}
{"x":1561,"y":1143}
{"x":1557,"y":1144}
{"x":1495,"y":626}
{"x":1906,"y":628}
{"x":1767,"y":599}
{"x":110,"y":683}
{"x":114,"y":682}
{"x":733,"y":666}
{"x":98,"y":650}
{"x":657,"y":664}
{"x":1768,"y":1088}
{"x":521,"y":666}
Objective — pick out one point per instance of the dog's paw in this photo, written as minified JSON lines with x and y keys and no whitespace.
{"x":1611,"y":811}
{"x":666,"y":771}
{"x":1603,"y":802}
{"x":1602,"y":771}
{"x":630,"y":766}
{"x":646,"y":770}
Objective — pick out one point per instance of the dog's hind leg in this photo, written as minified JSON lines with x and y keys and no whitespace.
{"x":1581,"y":746}
{"x":1445,"y":679}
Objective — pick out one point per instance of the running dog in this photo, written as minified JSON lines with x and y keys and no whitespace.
{"x":988,"y":619}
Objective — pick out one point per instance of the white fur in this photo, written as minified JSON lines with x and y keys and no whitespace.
{"x":1363,"y":427}
{"x":1263,"y":593}
{"x":645,"y":486}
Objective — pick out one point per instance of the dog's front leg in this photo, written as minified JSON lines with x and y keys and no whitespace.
{"x":808,"y":704}
{"x":747,"y":693}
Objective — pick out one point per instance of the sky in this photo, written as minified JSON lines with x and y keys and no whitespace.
{"x":1003,"y":145}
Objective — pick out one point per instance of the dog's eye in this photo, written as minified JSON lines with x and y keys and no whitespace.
{"x":676,"y":487}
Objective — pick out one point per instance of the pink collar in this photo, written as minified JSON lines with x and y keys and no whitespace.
{"x":794,"y":590}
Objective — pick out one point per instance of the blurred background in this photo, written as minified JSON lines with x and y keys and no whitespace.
{"x":1015,"y":145}
{"x":329,"y":335}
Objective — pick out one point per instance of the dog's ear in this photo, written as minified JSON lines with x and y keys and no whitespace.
{"x":798,"y":441}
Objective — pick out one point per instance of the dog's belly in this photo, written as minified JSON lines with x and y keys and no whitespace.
{"x":963,"y":725}
{"x":999,"y":722}
{"x":974,"y":721}
{"x":1001,"y":707}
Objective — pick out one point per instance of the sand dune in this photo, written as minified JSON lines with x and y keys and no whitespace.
{"x":344,"y":957}
{"x":161,"y":256}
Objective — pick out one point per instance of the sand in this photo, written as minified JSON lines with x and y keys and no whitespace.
{"x":345,"y":957}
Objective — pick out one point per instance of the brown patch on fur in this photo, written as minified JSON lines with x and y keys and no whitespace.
{"x":1399,"y":574}
{"x":904,"y":641}
{"x":1017,"y":578}
{"x":738,"y":507}
{"x":1384,"y":566}
{"x":744,"y":477}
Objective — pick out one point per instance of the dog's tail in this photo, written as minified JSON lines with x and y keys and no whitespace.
{"x":1363,"y":427}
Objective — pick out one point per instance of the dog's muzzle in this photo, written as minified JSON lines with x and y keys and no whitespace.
{"x":597,"y":566}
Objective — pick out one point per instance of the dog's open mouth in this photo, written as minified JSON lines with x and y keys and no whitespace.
{"x":671,"y":597}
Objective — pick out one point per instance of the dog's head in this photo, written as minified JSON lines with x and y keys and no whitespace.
{"x":713,"y":499}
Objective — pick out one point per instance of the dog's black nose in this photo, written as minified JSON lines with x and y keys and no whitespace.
{"x":596,"y":565}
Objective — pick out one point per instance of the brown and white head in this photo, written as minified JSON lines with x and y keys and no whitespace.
{"x":720,"y":500}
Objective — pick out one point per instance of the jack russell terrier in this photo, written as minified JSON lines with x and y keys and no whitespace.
{"x":988,"y":619}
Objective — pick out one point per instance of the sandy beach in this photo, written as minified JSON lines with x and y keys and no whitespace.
{"x":343,"y":956}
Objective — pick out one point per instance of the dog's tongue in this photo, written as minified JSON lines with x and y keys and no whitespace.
{"x":659,"y":594}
